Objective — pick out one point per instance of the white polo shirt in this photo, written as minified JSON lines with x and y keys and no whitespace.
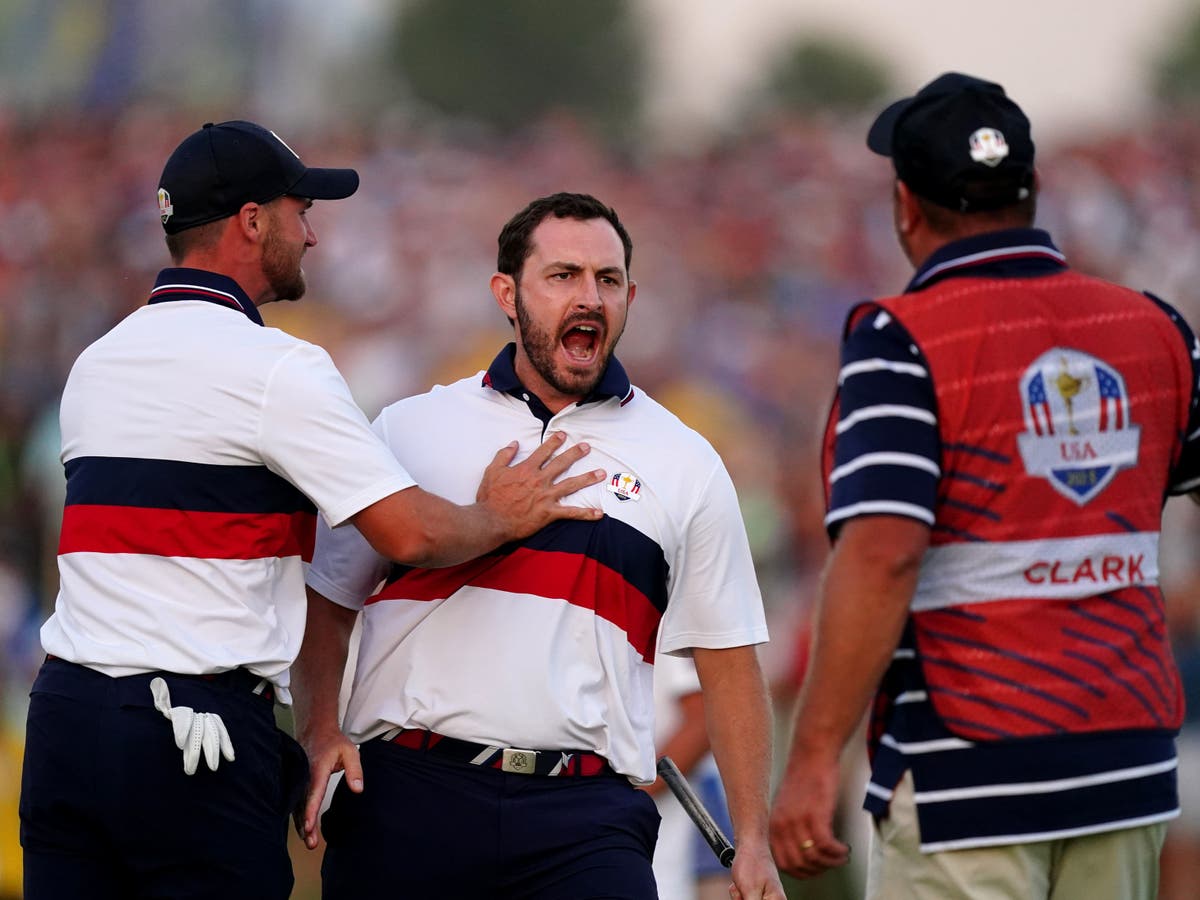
{"x":198,"y":446}
{"x":548,"y":643}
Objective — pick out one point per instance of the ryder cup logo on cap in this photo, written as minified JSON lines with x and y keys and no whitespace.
{"x":1077,"y":429}
{"x":217,"y":170}
{"x":988,"y":146}
{"x":165,"y":209}
{"x":960,"y":142}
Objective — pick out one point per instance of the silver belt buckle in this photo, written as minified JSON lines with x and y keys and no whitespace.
{"x":521,"y":762}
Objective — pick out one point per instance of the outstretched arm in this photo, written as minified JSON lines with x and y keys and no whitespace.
{"x":418,"y":528}
{"x":738,"y":713}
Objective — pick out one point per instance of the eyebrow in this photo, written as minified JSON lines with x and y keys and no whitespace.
{"x":576,"y":267}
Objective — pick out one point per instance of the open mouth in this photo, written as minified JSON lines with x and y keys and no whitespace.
{"x":582,"y":343}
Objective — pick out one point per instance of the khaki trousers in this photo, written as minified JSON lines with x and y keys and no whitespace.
{"x":1114,"y":865}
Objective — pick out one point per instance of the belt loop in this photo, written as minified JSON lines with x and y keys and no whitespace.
{"x":426,"y":737}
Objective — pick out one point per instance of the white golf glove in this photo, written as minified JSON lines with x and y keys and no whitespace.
{"x":194,"y":731}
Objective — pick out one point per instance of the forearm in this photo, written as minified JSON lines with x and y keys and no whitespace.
{"x":318,"y":670}
{"x":864,"y":603}
{"x":417,"y":528}
{"x":738,"y":713}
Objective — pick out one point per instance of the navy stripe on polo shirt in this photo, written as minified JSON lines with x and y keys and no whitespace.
{"x":887,"y":453}
{"x":171,"y":508}
{"x":606,"y":566}
{"x":1185,"y":476}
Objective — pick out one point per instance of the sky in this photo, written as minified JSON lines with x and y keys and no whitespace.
{"x":1071,"y":65}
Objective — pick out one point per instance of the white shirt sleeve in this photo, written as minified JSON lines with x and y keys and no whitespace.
{"x":714,"y":599}
{"x":345,"y":568}
{"x":315,"y":436}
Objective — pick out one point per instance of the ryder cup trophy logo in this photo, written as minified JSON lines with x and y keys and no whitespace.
{"x":1077,"y":429}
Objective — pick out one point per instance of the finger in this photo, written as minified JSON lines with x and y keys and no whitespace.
{"x":181,"y":725}
{"x":568,"y":486}
{"x":210,"y":743}
{"x":162,"y":696}
{"x":504,"y":456}
{"x":830,"y":853}
{"x":298,"y":826}
{"x":225,"y":740}
{"x":191,"y":747}
{"x":546,"y":449}
{"x":353,"y":768}
{"x":578,"y":513}
{"x":557,"y":465}
{"x":312,"y":806}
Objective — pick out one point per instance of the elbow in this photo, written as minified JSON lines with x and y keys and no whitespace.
{"x":410,"y":547}
{"x":403,"y":528}
{"x":893,"y":547}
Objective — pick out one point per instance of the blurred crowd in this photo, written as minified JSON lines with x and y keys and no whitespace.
{"x":747,"y":255}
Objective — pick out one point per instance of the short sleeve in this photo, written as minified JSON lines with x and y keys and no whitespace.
{"x":714,"y":599}
{"x":887,"y":452}
{"x":315,"y":436}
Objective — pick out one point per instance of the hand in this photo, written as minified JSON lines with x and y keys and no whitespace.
{"x":802,"y":818}
{"x":194,"y":731}
{"x":525,"y":497}
{"x":327,"y":754}
{"x":754,"y":874}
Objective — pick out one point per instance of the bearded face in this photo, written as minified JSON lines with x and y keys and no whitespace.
{"x":586,"y":341}
{"x":281,"y":262}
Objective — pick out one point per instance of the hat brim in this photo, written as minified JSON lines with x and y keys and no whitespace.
{"x":879,"y":138}
{"x":325,"y":184}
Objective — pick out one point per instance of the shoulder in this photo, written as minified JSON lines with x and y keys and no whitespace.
{"x":663,"y":427}
{"x":439,"y":399}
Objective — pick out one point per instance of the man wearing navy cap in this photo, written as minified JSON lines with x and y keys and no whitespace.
{"x":199,"y":446}
{"x":1004,"y":435}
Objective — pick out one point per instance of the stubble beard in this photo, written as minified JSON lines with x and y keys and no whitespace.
{"x":541,"y":348}
{"x":281,"y":267}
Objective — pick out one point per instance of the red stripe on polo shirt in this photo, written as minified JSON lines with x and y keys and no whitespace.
{"x":579,"y":580}
{"x":91,"y":528}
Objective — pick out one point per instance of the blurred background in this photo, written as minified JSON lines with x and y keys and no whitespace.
{"x":729,"y":137}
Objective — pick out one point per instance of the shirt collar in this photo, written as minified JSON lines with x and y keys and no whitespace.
{"x":1009,"y":253}
{"x":502,"y":376}
{"x":199,"y":284}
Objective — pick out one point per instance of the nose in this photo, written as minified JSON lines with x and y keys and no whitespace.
{"x":310,"y":236}
{"x":589,"y":294}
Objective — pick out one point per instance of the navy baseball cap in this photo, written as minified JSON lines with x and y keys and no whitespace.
{"x":960,"y":142}
{"x":221,"y":167}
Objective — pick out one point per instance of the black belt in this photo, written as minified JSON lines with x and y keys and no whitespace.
{"x":236,"y":680}
{"x":574,"y":763}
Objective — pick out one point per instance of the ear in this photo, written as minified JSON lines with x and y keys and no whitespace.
{"x":908,"y":211}
{"x":504,"y":289}
{"x":632,"y":294}
{"x":252,"y":220}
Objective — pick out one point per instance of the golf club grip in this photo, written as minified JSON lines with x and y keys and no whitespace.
{"x":721,"y":845}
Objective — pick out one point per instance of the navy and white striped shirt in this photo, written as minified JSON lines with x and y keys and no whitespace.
{"x":887,"y":460}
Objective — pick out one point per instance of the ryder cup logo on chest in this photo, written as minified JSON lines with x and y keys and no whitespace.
{"x":1077,"y":429}
{"x":626,"y":486}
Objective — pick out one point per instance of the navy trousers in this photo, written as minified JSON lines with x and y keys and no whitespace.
{"x":107,"y":812}
{"x":429,"y":827}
